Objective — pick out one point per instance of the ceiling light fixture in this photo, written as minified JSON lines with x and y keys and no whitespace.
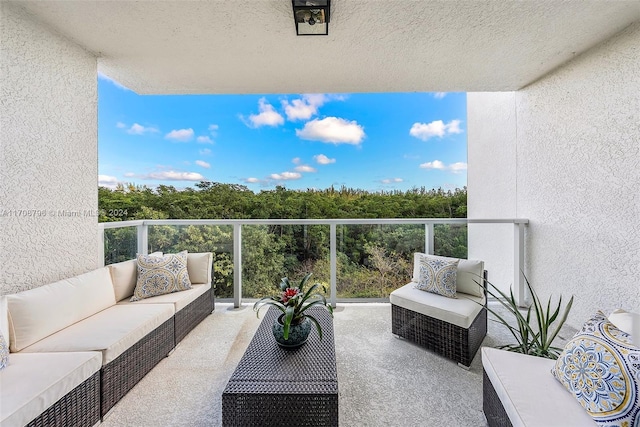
{"x":311,"y":17}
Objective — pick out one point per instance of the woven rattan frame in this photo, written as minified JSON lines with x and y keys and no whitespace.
{"x":194,"y":313}
{"x":444,"y":338}
{"x":449,"y":340}
{"x":492,"y":406}
{"x":78,"y":408}
{"x":276,"y":387}
{"x":120,"y":375}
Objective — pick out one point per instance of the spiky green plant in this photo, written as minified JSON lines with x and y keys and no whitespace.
{"x":535,"y":341}
{"x":294,"y":303}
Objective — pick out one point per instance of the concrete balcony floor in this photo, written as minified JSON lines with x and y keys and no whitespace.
{"x":382,"y":380}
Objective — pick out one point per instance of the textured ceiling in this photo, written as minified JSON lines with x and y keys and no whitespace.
{"x":233,"y":46}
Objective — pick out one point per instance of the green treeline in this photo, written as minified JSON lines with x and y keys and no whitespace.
{"x":372,"y":259}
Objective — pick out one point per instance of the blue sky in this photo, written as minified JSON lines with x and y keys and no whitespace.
{"x":385,"y":141}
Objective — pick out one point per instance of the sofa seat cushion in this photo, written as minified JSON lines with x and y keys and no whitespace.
{"x":111,"y":331}
{"x":179,"y":299}
{"x":40,"y":312}
{"x":531,"y":396}
{"x":35,"y":381}
{"x":460,"y":311}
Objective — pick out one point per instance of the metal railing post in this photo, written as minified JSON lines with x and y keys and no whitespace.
{"x":334,"y":263}
{"x":518,"y":264}
{"x":237,"y":265}
{"x":428,"y":238}
{"x":143,"y":239}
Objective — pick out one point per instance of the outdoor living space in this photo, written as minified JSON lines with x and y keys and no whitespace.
{"x":552,"y":127}
{"x":382,"y":380}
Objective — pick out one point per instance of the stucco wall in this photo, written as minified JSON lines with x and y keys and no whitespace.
{"x":491,"y":181}
{"x":48,"y":155}
{"x":577,"y":151}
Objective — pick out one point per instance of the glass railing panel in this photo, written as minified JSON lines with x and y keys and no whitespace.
{"x":450,"y":240}
{"x":271,"y":252}
{"x":200,"y":238}
{"x":373,"y":260}
{"x":120,"y":244}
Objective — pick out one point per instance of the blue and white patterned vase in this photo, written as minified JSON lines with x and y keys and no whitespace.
{"x":298,"y":333}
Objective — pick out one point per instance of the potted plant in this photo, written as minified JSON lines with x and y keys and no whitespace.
{"x":292,"y":327}
{"x":536,"y":339}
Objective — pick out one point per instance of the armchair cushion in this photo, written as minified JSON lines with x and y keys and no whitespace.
{"x":469,"y":274}
{"x":460,"y":311}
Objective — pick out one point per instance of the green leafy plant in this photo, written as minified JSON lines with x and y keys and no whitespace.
{"x":294,"y":301}
{"x":536,"y":339}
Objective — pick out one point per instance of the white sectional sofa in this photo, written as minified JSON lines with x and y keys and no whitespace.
{"x":83,"y":332}
{"x":519,"y":390}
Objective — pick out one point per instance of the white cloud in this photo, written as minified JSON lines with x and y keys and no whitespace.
{"x":173,"y":176}
{"x":392,"y":180}
{"x":268,"y":116}
{"x":213,"y":129}
{"x":205,"y":152}
{"x":180,"y":135}
{"x":458,"y":167}
{"x":305,"y":169}
{"x":129,"y":174}
{"x":204,"y":139}
{"x":321,"y":159}
{"x":251,"y":180}
{"x":203,"y":164}
{"x":296,"y":160}
{"x":332,"y":130}
{"x":438,"y":165}
{"x":137,"y":129}
{"x":305,"y":107}
{"x":107,"y":181}
{"x":439,"y":95}
{"x":285,"y":176}
{"x":438,"y":128}
{"x":120,"y":125}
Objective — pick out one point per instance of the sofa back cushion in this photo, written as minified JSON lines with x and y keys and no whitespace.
{"x":199,"y":267}
{"x":4,"y":318}
{"x":125,"y":274}
{"x":37,"y":313}
{"x":469,"y":272}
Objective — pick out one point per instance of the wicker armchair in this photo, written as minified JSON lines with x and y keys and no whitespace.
{"x":452,"y":327}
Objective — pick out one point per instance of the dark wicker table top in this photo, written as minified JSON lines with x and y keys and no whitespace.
{"x":268,"y":368}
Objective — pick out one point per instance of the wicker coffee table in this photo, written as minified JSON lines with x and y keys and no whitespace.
{"x":276,"y":387}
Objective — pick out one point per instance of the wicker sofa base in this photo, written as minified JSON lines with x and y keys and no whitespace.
{"x":120,"y":375}
{"x":491,"y":406}
{"x":191,"y":315}
{"x":444,"y":338}
{"x":78,"y":408}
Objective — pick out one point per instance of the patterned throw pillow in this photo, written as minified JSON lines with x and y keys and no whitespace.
{"x":438,"y":276}
{"x":161,"y":275}
{"x":601,"y":368}
{"x":4,"y":352}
